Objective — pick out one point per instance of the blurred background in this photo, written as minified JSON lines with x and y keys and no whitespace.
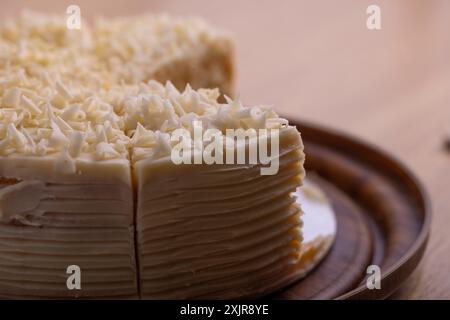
{"x":317,"y":60}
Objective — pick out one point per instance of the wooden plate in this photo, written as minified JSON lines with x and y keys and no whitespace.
{"x":383,"y":216}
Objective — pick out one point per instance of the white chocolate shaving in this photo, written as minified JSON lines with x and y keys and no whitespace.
{"x":86,"y":93}
{"x":76,"y":142}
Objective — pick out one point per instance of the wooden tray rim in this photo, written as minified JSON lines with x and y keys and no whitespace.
{"x":415,"y":253}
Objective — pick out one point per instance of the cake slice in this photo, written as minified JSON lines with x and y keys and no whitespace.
{"x":212,"y":230}
{"x":66,"y":194}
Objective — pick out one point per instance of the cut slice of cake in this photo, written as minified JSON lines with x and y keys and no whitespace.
{"x":66,"y":197}
{"x":222,"y":229}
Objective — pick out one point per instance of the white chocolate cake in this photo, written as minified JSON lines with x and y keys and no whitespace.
{"x":89,"y":178}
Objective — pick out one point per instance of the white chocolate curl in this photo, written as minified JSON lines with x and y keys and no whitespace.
{"x":85,"y":94}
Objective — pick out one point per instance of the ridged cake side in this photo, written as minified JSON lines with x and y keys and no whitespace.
{"x":212,"y":231}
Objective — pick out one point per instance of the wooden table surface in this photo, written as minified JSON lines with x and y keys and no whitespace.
{"x":317,"y":60}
